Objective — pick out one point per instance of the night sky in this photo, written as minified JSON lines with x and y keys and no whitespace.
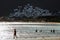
{"x":7,"y":5}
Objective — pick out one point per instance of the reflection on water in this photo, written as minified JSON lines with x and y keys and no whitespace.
{"x":28,"y":31}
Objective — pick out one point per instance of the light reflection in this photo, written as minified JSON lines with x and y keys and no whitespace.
{"x":6,"y":30}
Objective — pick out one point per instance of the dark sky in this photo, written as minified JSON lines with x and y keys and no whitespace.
{"x":7,"y":5}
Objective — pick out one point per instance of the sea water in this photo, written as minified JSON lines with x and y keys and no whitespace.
{"x":28,"y":31}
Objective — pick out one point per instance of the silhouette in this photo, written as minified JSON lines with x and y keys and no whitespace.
{"x":15,"y":36}
{"x":36,"y":30}
{"x":53,"y":31}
